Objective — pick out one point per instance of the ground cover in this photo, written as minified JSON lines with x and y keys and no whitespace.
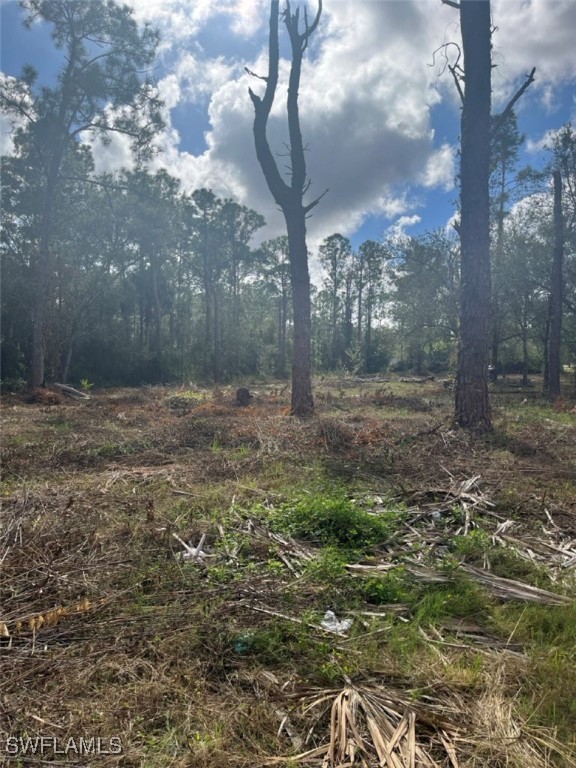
{"x":168,"y":560}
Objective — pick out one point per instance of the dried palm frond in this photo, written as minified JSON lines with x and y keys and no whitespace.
{"x":370,"y":726}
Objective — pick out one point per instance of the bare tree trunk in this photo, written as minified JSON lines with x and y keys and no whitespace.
{"x":302,"y":400}
{"x":282,"y":330}
{"x":67,"y":359}
{"x":289,"y":197}
{"x":472,"y":403}
{"x":41,"y":276}
{"x":555,"y":305}
{"x":524,"y":350}
{"x":217,"y":335}
{"x":545,"y":344}
{"x":157,"y":319}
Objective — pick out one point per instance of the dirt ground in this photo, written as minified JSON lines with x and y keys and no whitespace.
{"x":159,"y":592}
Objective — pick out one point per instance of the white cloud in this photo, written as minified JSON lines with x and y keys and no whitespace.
{"x":179,"y":20}
{"x":440,"y":170}
{"x":398,"y":229}
{"x":11,"y":122}
{"x":111,"y":156}
{"x":365,"y":110}
{"x":365,"y":100}
{"x":366,"y":94}
{"x":535,"y":33}
{"x":545,"y":141}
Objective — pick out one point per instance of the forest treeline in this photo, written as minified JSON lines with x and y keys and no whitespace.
{"x":150,"y":284}
{"x":139,"y":281}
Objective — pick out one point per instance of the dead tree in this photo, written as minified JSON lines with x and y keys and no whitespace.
{"x":290,"y":196}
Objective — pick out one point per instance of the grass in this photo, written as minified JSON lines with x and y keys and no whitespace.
{"x":332,"y":519}
{"x":214,"y":662}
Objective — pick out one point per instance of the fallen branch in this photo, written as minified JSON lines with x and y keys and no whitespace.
{"x":71,"y":392}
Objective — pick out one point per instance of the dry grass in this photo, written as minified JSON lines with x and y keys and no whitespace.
{"x":106,"y":631}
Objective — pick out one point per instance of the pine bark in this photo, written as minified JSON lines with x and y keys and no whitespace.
{"x":472,"y":402}
{"x":289,"y":197}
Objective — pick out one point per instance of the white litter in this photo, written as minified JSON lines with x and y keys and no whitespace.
{"x":331,"y":623}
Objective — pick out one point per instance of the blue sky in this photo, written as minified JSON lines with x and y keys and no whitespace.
{"x":381,"y":122}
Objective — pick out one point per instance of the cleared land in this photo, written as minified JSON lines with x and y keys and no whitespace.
{"x":451,"y":556}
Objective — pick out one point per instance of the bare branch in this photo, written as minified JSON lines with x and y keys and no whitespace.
{"x":314,"y":203}
{"x":262,"y":108}
{"x":502,"y":117}
{"x":444,"y":48}
{"x":253,"y":74}
{"x":310,"y":30}
{"x":451,"y":3}
{"x":453,"y":71}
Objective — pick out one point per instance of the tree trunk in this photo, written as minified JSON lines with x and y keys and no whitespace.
{"x":217,"y":335}
{"x":524,"y":351}
{"x":545,"y":344}
{"x":41,"y":275}
{"x":157,"y":320}
{"x":282,"y":326}
{"x":67,"y":360}
{"x":290,"y":197}
{"x":555,"y":305}
{"x":472,"y":402}
{"x":368,"y":331}
{"x":302,"y":403}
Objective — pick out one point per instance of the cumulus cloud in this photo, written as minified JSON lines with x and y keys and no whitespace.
{"x":182,"y":20}
{"x":366,"y":94}
{"x":528,"y":33}
{"x":366,"y":97}
{"x":398,"y":229}
{"x":365,"y":103}
{"x":440,"y":170}
{"x":535,"y":33}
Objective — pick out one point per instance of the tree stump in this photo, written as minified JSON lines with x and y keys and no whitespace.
{"x":243,"y":396}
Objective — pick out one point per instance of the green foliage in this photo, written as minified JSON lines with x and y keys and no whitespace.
{"x":476,"y":548}
{"x":458,"y":599}
{"x":12,"y":385}
{"x":282,"y":643}
{"x":334,"y":520}
{"x":328,"y":566}
{"x":85,"y":385}
{"x":391,"y":587}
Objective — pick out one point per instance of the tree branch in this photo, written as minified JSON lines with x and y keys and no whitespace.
{"x":253,"y":74}
{"x":314,"y":203}
{"x":262,"y":108}
{"x":452,"y":70}
{"x":502,"y":117}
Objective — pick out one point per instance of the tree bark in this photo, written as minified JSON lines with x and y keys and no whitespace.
{"x":472,"y":403}
{"x":41,"y":273}
{"x":289,"y":197}
{"x":302,"y":402}
{"x":555,"y":305}
{"x":157,"y":319}
{"x":282,"y":328}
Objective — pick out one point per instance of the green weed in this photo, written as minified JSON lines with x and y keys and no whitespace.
{"x":331,"y":519}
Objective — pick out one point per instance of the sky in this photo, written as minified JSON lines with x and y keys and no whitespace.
{"x":380,"y":114}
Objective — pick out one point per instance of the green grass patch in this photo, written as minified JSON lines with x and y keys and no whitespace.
{"x":476,"y":548}
{"x":548,"y":633}
{"x":332,"y":519}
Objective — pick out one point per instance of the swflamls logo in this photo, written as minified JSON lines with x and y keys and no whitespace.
{"x":19,"y":746}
